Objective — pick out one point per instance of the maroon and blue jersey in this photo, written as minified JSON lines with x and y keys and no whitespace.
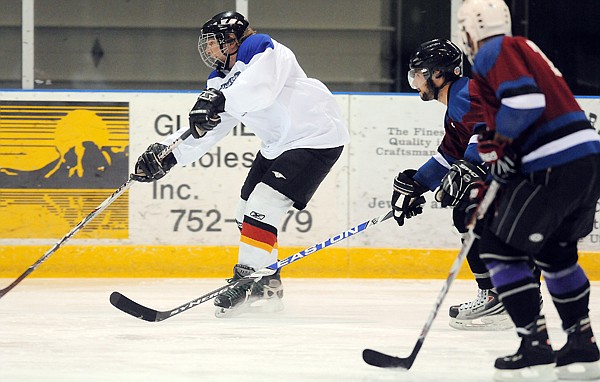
{"x":525,"y":98}
{"x":464,"y":111}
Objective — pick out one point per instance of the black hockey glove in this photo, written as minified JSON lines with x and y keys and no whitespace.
{"x":412,"y":202}
{"x":205,"y":113}
{"x":149,"y":167}
{"x":457,"y":183}
{"x":504,"y":163}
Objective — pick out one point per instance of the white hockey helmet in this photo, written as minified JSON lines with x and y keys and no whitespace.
{"x":482,"y":19}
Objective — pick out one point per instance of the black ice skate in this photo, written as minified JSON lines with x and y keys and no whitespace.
{"x":264,"y":295}
{"x":535,"y":359}
{"x":485,"y":312}
{"x":578,"y":359}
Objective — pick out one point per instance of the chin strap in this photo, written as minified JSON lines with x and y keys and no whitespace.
{"x":436,"y":91}
{"x":222,"y":67}
{"x":228,"y":60}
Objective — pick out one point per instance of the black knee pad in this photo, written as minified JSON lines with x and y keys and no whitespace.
{"x":556,"y":256}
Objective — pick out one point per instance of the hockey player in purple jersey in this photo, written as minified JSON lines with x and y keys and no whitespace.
{"x":545,"y":153}
{"x":436,"y":71}
{"x":257,"y":81}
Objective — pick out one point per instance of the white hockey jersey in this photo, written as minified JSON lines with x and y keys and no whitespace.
{"x":270,"y":94}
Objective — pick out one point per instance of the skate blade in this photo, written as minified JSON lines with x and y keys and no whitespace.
{"x":495,"y":322}
{"x":583,"y":371}
{"x":538,"y":373}
{"x":229,"y":313}
{"x":264,"y":306}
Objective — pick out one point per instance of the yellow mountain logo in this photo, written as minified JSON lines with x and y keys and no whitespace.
{"x":58,"y":161}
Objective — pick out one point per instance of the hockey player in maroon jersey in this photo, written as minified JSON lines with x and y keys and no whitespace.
{"x":436,"y":72}
{"x":543,"y":150}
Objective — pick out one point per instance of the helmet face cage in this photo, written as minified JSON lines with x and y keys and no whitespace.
{"x":209,"y":46}
{"x":216,"y":34}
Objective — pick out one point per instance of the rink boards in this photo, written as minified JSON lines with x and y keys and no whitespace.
{"x":64,"y":153}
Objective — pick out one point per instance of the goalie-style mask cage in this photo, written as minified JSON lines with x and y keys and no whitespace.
{"x":482,"y":19}
{"x":216,"y":34}
{"x":437,"y":54}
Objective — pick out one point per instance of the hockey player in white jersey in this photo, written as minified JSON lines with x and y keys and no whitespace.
{"x":258,"y":81}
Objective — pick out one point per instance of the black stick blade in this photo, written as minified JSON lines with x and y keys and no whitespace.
{"x":375,"y":358}
{"x":133,"y":308}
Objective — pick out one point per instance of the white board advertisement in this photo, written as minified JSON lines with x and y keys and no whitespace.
{"x":65,"y":161}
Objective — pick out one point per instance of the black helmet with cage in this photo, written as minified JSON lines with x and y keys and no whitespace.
{"x":436,"y":55}
{"x":222,"y":29}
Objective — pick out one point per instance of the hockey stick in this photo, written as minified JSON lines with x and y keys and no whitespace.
{"x":118,"y":192}
{"x":375,"y":358}
{"x":147,"y":314}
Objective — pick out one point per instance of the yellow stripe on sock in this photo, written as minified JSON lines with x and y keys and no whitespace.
{"x":256,"y":243}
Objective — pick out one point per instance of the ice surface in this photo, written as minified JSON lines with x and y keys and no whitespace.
{"x":66,"y":330}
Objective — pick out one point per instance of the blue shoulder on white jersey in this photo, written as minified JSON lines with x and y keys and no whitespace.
{"x":253,"y":45}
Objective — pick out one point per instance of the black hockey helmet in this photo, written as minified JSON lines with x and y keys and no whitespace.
{"x":218,"y":30}
{"x":226,"y":23}
{"x":437,"y":54}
